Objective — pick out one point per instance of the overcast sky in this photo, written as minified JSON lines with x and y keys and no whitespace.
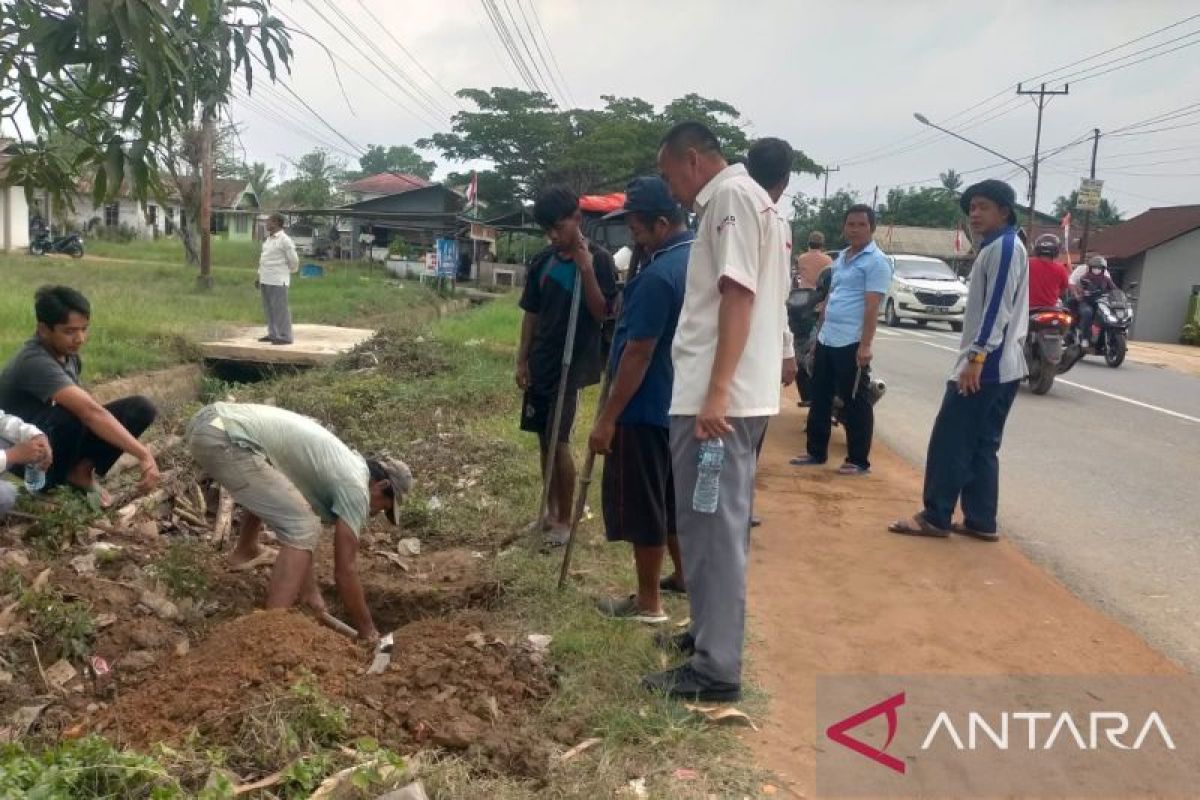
{"x":840,"y":81}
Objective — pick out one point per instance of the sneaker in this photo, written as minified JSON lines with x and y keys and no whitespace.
{"x":755,"y":522}
{"x":683,"y":643}
{"x":1084,"y":343}
{"x":265,"y":339}
{"x":852,"y":469}
{"x":627,"y":608}
{"x":806,"y":461}
{"x":684,"y":683}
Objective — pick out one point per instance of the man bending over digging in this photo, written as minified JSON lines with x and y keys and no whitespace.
{"x":286,"y":470}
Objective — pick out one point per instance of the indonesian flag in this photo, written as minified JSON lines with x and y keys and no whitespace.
{"x":1066,"y":237}
{"x":473,"y":190}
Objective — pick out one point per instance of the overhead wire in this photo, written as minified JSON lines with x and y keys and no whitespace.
{"x":562,"y":94}
{"x":386,"y":29}
{"x":514,"y":53}
{"x":525,"y":46}
{"x":537,"y":18}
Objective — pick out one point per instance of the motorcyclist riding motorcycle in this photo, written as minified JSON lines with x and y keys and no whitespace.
{"x":1093,"y":283}
{"x":1048,"y":276}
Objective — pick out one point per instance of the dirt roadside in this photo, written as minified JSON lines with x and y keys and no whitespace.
{"x":830,"y":591}
{"x":1179,"y":357}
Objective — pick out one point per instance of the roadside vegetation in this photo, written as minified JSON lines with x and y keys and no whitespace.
{"x":441,"y":396}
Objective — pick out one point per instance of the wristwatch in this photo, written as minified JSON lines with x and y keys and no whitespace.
{"x":977,"y":357}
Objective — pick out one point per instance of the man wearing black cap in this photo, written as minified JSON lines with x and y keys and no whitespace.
{"x":962,"y":463}
{"x":638,"y":492}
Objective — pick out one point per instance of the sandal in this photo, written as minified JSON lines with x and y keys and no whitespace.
{"x":853,"y":469}
{"x":983,"y":536}
{"x":671,"y":584}
{"x":917,"y":525}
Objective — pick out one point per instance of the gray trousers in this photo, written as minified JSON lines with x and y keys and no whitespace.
{"x":715,"y":546}
{"x":279,"y":316}
{"x":8,"y":497}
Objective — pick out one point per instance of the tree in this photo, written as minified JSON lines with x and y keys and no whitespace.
{"x":317,"y":175}
{"x":951,"y":182}
{"x":182,"y":160}
{"x":123,"y":79}
{"x":531,"y":142}
{"x":1108,"y":214}
{"x":827,"y":216}
{"x":258,"y":175}
{"x":397,"y":158}
{"x":927,"y":207}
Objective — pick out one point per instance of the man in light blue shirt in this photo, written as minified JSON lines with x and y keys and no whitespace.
{"x":862,"y":276}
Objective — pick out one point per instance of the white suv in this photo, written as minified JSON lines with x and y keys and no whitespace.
{"x":925,"y":290}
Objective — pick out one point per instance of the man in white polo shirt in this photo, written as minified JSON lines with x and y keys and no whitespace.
{"x":276,"y":264}
{"x":727,"y":356}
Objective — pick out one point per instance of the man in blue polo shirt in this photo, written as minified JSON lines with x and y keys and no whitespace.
{"x":862,"y":275}
{"x":632,"y":430}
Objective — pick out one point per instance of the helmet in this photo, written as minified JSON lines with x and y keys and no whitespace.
{"x":1047,"y":245}
{"x":1097,"y":261}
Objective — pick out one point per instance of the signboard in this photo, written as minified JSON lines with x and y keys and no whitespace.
{"x":1089,"y":195}
{"x":447,"y":258}
{"x":483,"y":233}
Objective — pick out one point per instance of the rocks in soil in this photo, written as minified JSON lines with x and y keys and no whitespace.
{"x":160,"y":605}
{"x":137,"y":661}
{"x":60,"y":673}
{"x":414,"y":791}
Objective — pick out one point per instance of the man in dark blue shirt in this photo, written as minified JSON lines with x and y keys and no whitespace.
{"x":638,"y":493}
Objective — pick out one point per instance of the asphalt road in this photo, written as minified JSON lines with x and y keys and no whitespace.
{"x":1100,"y":479}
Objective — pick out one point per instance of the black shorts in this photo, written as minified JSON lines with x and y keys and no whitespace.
{"x":537,"y":415}
{"x":638,"y":492}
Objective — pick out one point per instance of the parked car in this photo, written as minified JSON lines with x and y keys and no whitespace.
{"x":924,"y":290}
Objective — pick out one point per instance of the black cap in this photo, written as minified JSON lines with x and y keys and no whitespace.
{"x":998,"y":192}
{"x":647,"y":195}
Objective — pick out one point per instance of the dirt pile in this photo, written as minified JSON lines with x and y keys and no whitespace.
{"x":449,"y":685}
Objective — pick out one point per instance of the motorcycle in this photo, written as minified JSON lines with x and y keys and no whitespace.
{"x":42,"y":243}
{"x":1048,"y":328}
{"x":803,"y":314}
{"x":1109,"y":336}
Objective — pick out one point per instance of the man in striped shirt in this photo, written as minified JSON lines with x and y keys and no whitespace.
{"x":962,"y":463}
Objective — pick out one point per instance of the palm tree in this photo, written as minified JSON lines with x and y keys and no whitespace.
{"x":259,"y":175}
{"x":951,"y":182}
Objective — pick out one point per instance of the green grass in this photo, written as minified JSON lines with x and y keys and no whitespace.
{"x":170,"y":251}
{"x":147,"y":314}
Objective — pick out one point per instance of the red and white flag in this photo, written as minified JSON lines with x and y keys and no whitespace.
{"x":473,"y":191}
{"x":1066,"y":237}
{"x":958,"y":240}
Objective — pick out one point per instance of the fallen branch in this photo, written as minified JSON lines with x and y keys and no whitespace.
{"x":37,"y":659}
{"x":224,"y":520}
{"x":263,"y":783}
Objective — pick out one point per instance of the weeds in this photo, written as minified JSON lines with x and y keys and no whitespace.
{"x":62,"y":515}
{"x":89,"y":767}
{"x":66,"y":628}
{"x":294,"y":722}
{"x":181,"y":570}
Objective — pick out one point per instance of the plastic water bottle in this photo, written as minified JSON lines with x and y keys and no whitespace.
{"x":35,"y":478}
{"x":707,"y":493}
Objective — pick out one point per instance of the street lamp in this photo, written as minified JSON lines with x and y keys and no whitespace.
{"x":924,"y":120}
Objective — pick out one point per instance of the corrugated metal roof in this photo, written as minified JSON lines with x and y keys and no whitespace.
{"x":944,"y":243}
{"x":1145,"y":231}
{"x":386,"y":183}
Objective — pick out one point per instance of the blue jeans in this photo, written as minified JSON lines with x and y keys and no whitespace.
{"x":962,"y":463}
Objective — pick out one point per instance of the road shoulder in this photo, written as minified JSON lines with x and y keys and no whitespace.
{"x":830,"y":591}
{"x":1179,"y":357}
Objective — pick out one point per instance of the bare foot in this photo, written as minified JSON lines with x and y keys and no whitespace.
{"x":94,"y":488}
{"x":240,"y":561}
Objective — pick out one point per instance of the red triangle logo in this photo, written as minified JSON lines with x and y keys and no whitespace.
{"x":837,"y":732}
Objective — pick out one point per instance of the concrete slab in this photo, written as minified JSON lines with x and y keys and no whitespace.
{"x":314,"y":345}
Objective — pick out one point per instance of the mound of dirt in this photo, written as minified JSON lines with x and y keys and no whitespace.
{"x":449,"y":685}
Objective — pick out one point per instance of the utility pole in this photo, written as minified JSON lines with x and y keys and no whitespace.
{"x":1087,"y":215}
{"x":825,"y":194}
{"x":1041,"y":93}
{"x":204,"y":281}
{"x":875,"y":199}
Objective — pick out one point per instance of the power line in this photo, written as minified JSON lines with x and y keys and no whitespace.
{"x":541,"y":55}
{"x":1139,"y":61}
{"x":406,"y":52}
{"x":525,"y":46}
{"x":333,"y":55}
{"x":428,"y":100}
{"x":537,"y":18}
{"x":480,"y":15}
{"x":514,"y":53}
{"x":424,"y":105}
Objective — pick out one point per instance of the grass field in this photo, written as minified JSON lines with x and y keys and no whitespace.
{"x":169,"y":250}
{"x":147,"y":313}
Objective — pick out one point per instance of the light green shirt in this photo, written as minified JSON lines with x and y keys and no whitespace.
{"x":333,"y":478}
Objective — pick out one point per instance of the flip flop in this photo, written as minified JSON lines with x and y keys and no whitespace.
{"x":918,"y":526}
{"x":670,"y":584}
{"x":982,"y":536}
{"x":264,"y":559}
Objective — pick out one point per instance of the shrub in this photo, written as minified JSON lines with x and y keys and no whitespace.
{"x":1190,"y":334}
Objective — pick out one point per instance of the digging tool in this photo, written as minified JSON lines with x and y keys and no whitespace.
{"x":383,"y":656}
{"x":585,"y":482}
{"x":563,"y":379}
{"x":325,"y":618}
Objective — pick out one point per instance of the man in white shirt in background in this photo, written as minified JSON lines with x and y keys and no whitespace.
{"x":727,"y":356}
{"x":21,"y":444}
{"x":276,"y":265}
